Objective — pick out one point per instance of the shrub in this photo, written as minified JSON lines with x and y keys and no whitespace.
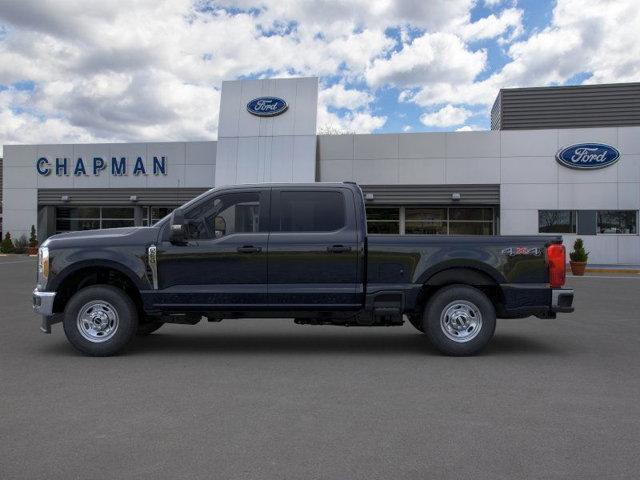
{"x":7,"y":244}
{"x":33,"y":240}
{"x":579,"y":254}
{"x":20,"y":245}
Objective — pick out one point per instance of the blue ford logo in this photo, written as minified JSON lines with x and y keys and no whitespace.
{"x":588,"y":156}
{"x":267,"y":106}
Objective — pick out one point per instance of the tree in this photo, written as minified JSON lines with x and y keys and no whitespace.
{"x":7,"y":244}
{"x":33,"y":240}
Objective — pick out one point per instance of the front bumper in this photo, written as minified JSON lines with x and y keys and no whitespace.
{"x":43,"y":305}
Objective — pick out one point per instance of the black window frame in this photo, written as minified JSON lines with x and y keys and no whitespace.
{"x":277,"y":211}
{"x":263,"y":216}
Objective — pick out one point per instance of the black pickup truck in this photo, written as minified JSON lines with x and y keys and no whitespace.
{"x":297,"y":251}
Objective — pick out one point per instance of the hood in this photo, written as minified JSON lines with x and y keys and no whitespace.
{"x":104,"y":237}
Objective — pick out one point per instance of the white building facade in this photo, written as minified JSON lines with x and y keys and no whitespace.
{"x":491,"y":182}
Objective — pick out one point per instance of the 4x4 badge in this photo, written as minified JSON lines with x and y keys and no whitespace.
{"x":513,"y":251}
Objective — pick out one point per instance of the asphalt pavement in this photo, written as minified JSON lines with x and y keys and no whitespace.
{"x":267,"y":399}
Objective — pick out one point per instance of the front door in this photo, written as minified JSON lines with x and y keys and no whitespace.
{"x":223,"y":264}
{"x":313,"y":249}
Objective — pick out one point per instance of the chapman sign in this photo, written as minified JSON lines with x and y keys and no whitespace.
{"x":116,"y":166}
{"x":588,"y":156}
{"x":267,"y":106}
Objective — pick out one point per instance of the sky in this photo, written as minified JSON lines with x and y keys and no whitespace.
{"x":76,"y":71}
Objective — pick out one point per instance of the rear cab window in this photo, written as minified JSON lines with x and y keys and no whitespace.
{"x":311,"y":211}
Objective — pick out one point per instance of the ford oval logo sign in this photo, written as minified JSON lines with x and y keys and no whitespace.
{"x":588,"y":156}
{"x":267,"y":106}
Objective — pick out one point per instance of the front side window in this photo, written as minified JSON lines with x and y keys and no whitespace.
{"x":556,"y":221}
{"x":311,"y":211}
{"x":618,"y":221}
{"x":225,"y":215}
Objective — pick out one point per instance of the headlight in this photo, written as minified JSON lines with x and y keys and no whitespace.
{"x":43,"y":262}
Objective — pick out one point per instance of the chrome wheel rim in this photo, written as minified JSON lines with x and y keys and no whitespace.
{"x":97,"y":321}
{"x":461,"y":321}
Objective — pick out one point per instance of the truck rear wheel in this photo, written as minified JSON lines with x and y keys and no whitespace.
{"x":459,"y":320}
{"x":100,"y":320}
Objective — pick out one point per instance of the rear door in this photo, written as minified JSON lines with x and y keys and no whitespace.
{"x":313,"y":249}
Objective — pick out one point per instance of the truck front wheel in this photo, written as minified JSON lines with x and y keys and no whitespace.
{"x":459,"y":320}
{"x":100,"y":320}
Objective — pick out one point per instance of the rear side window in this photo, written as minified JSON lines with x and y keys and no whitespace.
{"x":311,"y":211}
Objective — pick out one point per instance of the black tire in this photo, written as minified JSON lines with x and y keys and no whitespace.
{"x":147,"y":327}
{"x":416,"y":321}
{"x":466,"y":306}
{"x":112,"y":308}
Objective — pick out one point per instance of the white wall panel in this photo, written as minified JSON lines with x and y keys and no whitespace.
{"x":336,"y":171}
{"x":473,"y":170}
{"x":529,"y":170}
{"x":422,"y":145}
{"x":518,"y":222}
{"x":336,"y":147}
{"x":412,"y":171}
{"x":473,"y":144}
{"x":368,"y":147}
{"x":571,"y":136}
{"x":529,"y":196}
{"x":587,"y":196}
{"x":529,"y":143}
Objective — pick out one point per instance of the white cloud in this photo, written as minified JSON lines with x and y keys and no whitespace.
{"x":583,"y":37}
{"x":469,"y":128}
{"x":509,"y":20}
{"x":338,"y":96}
{"x":151,"y":69}
{"x":447,"y":116}
{"x":432,"y":57}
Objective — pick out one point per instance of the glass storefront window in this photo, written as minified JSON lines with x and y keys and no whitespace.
{"x":70,"y":219}
{"x":425,"y":228}
{"x":618,"y":221}
{"x":557,"y":221}
{"x":383,"y":220}
{"x":153,"y":215}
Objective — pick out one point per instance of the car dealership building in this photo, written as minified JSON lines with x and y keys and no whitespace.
{"x":557,"y":160}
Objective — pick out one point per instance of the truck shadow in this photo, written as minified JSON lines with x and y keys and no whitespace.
{"x":352,"y":343}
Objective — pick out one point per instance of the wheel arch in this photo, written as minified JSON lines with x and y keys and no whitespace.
{"x":482,"y":278}
{"x":95,"y":272}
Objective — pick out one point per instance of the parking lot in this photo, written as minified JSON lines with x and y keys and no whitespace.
{"x":266,"y":399}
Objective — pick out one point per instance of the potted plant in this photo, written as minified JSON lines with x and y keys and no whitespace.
{"x":578,"y":257}
{"x":33,"y":242}
{"x":7,"y":244}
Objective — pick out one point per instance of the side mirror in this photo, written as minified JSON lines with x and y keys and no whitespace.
{"x":178,"y":232}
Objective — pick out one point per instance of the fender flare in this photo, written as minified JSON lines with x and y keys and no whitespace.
{"x":479,"y":272}
{"x":61,"y":277}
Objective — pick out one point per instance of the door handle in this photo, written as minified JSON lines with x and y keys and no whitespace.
{"x":338,"y":249}
{"x":249,"y":249}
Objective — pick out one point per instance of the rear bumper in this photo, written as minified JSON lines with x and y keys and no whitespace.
{"x":43,"y":305}
{"x":562,"y":300}
{"x":523,"y":300}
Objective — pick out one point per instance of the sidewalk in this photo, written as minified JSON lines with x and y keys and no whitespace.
{"x":601,"y":269}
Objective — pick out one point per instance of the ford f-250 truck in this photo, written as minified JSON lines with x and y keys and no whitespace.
{"x":293,"y":251}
